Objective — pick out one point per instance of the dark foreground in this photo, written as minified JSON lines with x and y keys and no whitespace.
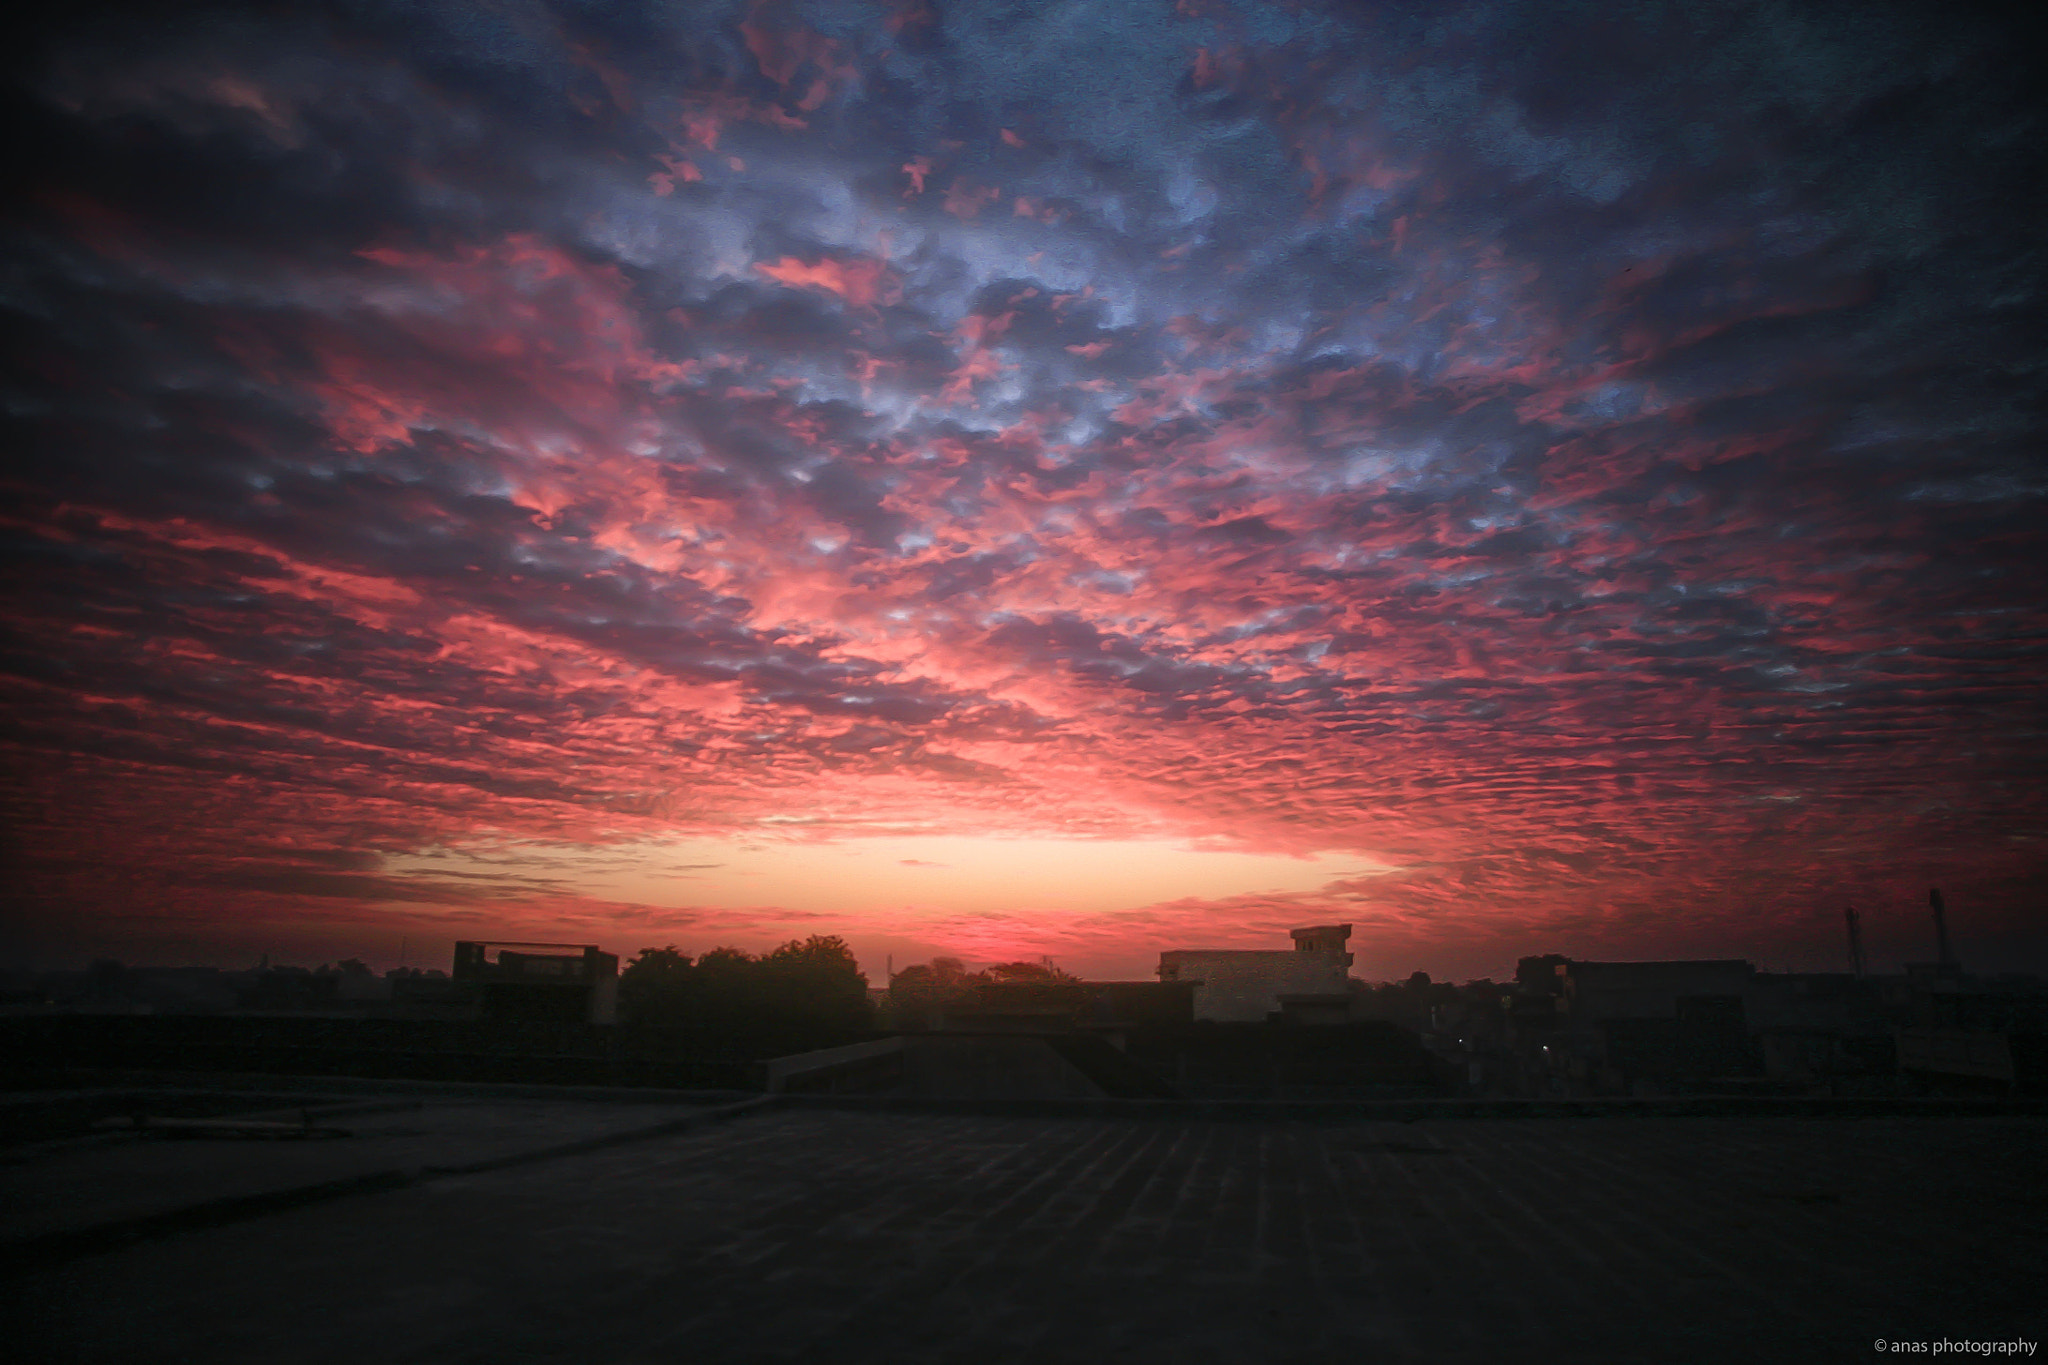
{"x":823,"y":1235}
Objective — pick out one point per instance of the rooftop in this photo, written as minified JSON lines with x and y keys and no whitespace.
{"x":788,"y":1231}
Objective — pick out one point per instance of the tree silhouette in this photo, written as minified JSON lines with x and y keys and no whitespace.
{"x":656,"y":987}
{"x":817,"y":980}
{"x":917,"y":994}
{"x":1029,"y":971}
{"x":803,"y":992}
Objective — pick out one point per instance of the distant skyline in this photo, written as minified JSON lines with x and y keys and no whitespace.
{"x":1025,"y":480}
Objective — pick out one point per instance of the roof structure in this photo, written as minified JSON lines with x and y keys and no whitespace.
{"x":804,"y":1233}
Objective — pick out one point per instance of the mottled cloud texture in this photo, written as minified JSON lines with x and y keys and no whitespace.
{"x":1585,"y":458}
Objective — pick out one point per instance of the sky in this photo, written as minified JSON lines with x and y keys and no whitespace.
{"x":1069,"y":479}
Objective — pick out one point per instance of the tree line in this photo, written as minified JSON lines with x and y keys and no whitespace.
{"x":811,"y":987}
{"x":920,"y":995}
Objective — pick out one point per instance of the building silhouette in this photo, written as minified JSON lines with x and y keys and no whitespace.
{"x":565,"y":983}
{"x":1310,"y":983}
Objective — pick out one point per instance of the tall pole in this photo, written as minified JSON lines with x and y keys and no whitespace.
{"x":1940,"y":926}
{"x":1855,"y":941}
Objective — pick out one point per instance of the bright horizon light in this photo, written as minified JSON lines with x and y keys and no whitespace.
{"x":916,"y":878}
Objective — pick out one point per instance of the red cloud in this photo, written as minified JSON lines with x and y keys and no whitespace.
{"x":862,"y":282}
{"x":679,"y":170}
{"x":965,"y":201}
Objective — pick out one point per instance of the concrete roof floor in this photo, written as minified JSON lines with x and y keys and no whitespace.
{"x":836,"y":1236}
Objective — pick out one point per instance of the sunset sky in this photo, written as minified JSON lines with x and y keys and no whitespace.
{"x":1072,"y":479}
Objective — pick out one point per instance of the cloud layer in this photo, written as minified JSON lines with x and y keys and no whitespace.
{"x":1586,"y":458}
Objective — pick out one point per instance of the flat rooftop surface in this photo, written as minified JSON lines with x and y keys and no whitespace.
{"x":72,"y":1184}
{"x":821,"y":1235}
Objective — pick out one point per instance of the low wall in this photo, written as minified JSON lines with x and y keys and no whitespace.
{"x":869,"y":1066}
